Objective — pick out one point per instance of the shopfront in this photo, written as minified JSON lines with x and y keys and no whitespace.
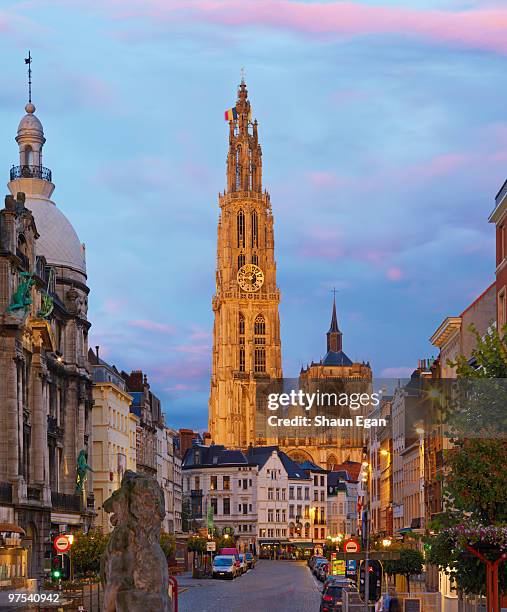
{"x":273,"y":549}
{"x":301,"y":549}
{"x":13,"y":557}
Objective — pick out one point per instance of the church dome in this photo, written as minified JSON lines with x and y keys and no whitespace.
{"x":58,"y":241}
{"x":30,"y":125}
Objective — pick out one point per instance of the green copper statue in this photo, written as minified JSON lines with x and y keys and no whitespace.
{"x":46,"y":306}
{"x":21,"y":297}
{"x":81,"y":470}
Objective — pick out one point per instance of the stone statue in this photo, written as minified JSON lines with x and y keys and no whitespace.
{"x":133,"y":567}
{"x":21,"y":297}
{"x":81,"y":470}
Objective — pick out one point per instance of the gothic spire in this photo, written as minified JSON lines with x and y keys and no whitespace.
{"x":334,"y":335}
{"x":244,"y":163}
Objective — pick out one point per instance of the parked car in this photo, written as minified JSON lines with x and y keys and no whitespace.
{"x":225,"y":566}
{"x":332,"y":596}
{"x":339,"y":581}
{"x":250,"y":560}
{"x":312,"y":560}
{"x":318,"y":562}
{"x":242,"y":563}
{"x":322,"y":571}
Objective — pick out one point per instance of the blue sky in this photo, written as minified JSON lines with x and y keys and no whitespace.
{"x":384,"y":134}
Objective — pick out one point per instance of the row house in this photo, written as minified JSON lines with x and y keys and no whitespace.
{"x":342,"y":504}
{"x":268,"y":501}
{"x":222,"y":487}
{"x":114,"y":433}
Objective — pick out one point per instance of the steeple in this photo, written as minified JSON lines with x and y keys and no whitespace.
{"x":30,"y":139}
{"x":244,"y":160}
{"x":334,"y":335}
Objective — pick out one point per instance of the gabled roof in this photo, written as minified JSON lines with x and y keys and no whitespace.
{"x":338,"y":358}
{"x":334,"y":477}
{"x":352,"y":468}
{"x":258,"y":455}
{"x":310,"y":466}
{"x":200,"y":455}
{"x":294,"y":470}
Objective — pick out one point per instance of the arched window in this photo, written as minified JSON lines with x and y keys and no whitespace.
{"x":255,"y":259}
{"x":260,"y":342}
{"x":240,"y":229}
{"x":238,"y":168}
{"x":331,"y":462}
{"x":241,"y":260}
{"x":28,"y":156}
{"x":241,"y":330}
{"x":260,"y":326}
{"x":255,"y":230}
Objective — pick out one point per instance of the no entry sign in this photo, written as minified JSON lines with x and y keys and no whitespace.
{"x":61,"y":543}
{"x":351,"y":546}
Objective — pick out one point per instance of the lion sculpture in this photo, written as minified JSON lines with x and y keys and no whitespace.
{"x":134,"y":568}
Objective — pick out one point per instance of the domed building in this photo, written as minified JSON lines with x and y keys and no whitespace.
{"x":45,"y":421}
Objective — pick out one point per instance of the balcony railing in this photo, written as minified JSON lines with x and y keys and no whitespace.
{"x":66,"y":502}
{"x":6,"y":492}
{"x":39,"y":172}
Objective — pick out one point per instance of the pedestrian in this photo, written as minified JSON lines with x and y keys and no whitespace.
{"x":387,"y":598}
{"x":394,"y":604}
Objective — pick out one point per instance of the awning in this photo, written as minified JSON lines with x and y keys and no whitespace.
{"x":405,"y":530}
{"x":11,"y":528}
{"x":276,"y":542}
{"x":302,"y":544}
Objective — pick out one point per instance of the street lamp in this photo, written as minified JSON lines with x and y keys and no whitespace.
{"x":386,"y":542}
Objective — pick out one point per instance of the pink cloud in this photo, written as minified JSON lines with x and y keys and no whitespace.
{"x":440,"y":165}
{"x":394,"y":274}
{"x":153,"y":326}
{"x":477,"y":28}
{"x":325,"y":179}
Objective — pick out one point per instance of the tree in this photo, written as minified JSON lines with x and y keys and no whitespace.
{"x":186,"y":515}
{"x":196,"y":544}
{"x":409,"y":564}
{"x":87,"y":549}
{"x":475,"y":486}
{"x":475,"y":481}
{"x":167,"y":544}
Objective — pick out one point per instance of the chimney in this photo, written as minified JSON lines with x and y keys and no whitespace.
{"x":97,"y":353}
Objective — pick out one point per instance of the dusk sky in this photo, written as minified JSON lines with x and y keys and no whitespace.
{"x":384,"y":133}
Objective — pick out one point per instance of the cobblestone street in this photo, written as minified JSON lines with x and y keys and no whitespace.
{"x":273,"y":586}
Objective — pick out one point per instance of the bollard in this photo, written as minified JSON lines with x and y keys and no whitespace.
{"x":174,"y":584}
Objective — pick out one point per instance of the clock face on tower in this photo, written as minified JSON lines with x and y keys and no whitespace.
{"x":250,"y":278}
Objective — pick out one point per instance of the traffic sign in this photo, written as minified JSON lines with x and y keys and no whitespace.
{"x":211,"y":546}
{"x":351,"y":546}
{"x":61,"y":543}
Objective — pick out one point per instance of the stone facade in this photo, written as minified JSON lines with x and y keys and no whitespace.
{"x":45,"y":394}
{"x":246,"y":333}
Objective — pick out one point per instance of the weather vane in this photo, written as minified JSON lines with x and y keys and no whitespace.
{"x":28,"y":60}
{"x":242,"y":75}
{"x":334,"y":293}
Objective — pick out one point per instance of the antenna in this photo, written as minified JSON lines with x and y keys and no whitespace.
{"x":28,"y":60}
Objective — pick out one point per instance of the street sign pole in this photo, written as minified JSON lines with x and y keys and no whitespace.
{"x":366,"y":572}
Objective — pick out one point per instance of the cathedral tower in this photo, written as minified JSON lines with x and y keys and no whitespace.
{"x":246,"y":333}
